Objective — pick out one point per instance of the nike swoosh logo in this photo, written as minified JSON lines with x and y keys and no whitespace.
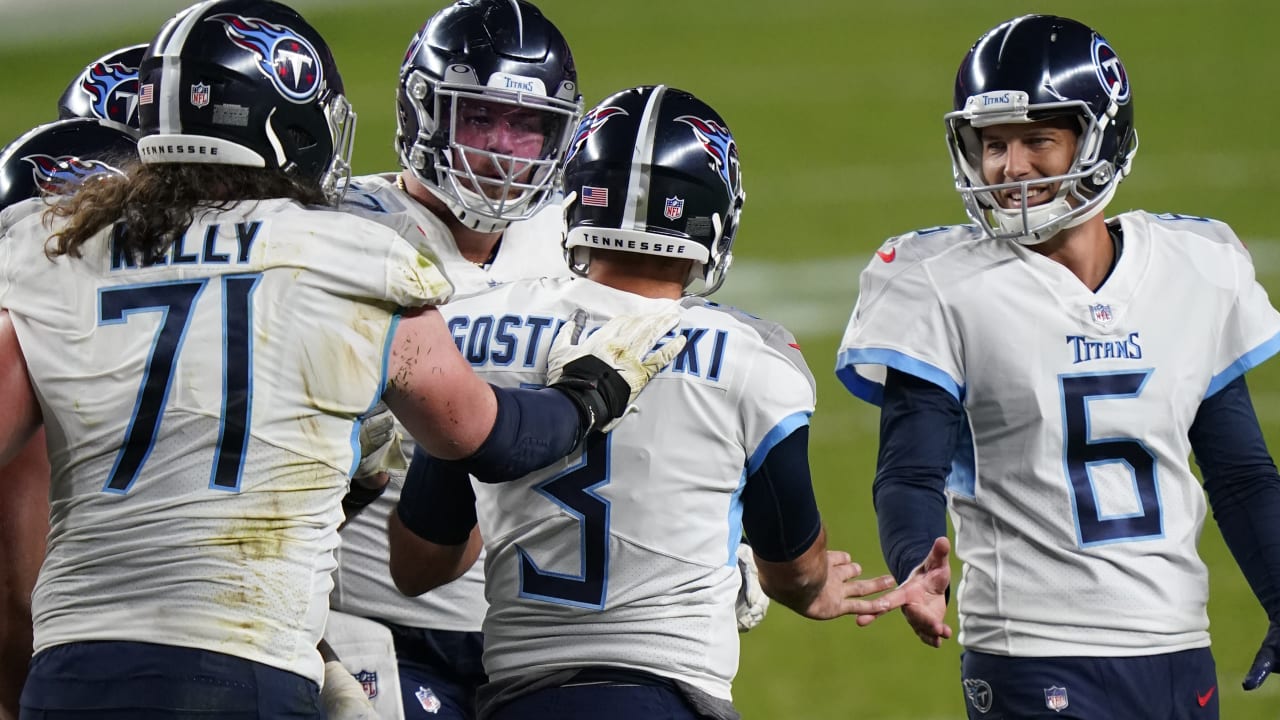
{"x":888,"y":256}
{"x":1205,"y":698}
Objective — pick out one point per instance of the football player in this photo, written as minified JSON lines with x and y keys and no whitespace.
{"x":612,"y":575}
{"x":217,"y":333}
{"x":487,"y":103}
{"x":1047,"y":371}
{"x":53,"y":159}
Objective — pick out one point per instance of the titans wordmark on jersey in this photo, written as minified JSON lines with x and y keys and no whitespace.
{"x":529,"y":249}
{"x":629,"y":546}
{"x":1075,"y":509}
{"x":201,"y":421}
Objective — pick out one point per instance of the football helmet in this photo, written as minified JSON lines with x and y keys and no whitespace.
{"x":654,"y":170}
{"x":487,"y":101}
{"x":250,"y":83}
{"x":56,"y":158}
{"x":107,"y":88}
{"x":1034,"y":68}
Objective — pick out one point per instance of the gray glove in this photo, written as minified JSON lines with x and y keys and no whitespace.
{"x":604,"y":373}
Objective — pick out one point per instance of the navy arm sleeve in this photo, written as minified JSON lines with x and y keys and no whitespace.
{"x":920,"y":425}
{"x":779,"y":511}
{"x":1243,"y":486}
{"x":533,"y":429}
{"x":437,"y":503}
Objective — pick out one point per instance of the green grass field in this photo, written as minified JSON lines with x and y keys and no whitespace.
{"x":837,"y":107}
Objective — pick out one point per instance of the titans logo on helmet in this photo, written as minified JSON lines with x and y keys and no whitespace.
{"x":590,"y":125}
{"x":113,"y":90}
{"x":1111,"y":72}
{"x":63,"y":174}
{"x":720,"y":145}
{"x":283,"y":55}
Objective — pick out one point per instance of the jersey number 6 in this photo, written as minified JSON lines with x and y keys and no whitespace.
{"x":1081,"y":453}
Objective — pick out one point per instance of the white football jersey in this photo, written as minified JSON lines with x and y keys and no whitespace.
{"x":624,"y":555}
{"x":1075,"y":508}
{"x":201,"y":420}
{"x":363,"y":584}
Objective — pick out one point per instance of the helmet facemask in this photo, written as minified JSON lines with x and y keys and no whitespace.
{"x":486,"y":189}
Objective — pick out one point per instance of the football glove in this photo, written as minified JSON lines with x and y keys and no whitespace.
{"x":1264,"y":662}
{"x":752,"y":603}
{"x":379,"y":443}
{"x":605,"y":372}
{"x":343,"y":696}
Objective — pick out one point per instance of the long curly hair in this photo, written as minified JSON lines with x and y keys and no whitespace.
{"x":156,"y":203}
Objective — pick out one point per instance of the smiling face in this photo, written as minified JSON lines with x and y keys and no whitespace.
{"x":1023,"y":152}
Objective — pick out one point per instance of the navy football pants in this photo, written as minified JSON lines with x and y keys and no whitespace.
{"x":1174,"y":686}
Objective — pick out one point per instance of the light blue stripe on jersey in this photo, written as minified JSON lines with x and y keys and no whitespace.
{"x":377,"y":396}
{"x":735,"y":520}
{"x":785,"y":427}
{"x":873,"y":392}
{"x":1247,"y":362}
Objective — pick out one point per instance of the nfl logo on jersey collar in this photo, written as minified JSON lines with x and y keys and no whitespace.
{"x":1101,"y":314}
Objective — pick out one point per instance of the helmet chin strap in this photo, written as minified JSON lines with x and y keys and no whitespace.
{"x":465,"y":215}
{"x":1045,"y":221}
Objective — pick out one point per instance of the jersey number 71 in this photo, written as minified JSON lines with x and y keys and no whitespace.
{"x":175,"y":302}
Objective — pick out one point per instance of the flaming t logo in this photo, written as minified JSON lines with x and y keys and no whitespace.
{"x":283,"y":55}
{"x":113,"y":92}
{"x":719,"y":144}
{"x":591,"y":123}
{"x":63,"y":174}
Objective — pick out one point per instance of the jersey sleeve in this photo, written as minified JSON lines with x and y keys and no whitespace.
{"x":779,"y":393}
{"x":1251,"y":329}
{"x":898,"y":322}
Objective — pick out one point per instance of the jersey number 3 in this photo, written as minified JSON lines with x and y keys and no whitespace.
{"x":175,"y":302}
{"x":1081,"y":453}
{"x":574,"y":490}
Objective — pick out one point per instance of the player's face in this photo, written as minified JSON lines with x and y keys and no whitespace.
{"x":1019,"y":152}
{"x":502,"y":129}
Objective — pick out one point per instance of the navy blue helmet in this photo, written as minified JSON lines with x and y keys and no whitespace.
{"x":1033,"y":68}
{"x":56,"y":158}
{"x":106,"y":89}
{"x":249,"y":83}
{"x":505,"y":56}
{"x":654,"y":170}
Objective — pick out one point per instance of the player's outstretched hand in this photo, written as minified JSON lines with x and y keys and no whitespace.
{"x":843,"y":594}
{"x":1264,"y":662}
{"x":925,"y":589}
{"x":604,"y":372}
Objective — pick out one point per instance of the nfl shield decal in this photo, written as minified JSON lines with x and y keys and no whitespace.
{"x":674,"y":208}
{"x":369,"y":681}
{"x":1055,"y":698}
{"x":1101,"y":314}
{"x":200,"y":94}
{"x":427,"y":699}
